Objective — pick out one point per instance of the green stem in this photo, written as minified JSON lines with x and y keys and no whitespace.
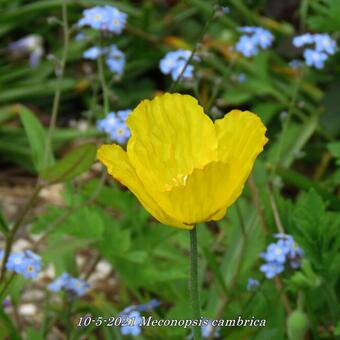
{"x":204,"y":30}
{"x":16,"y":226}
{"x":105,"y":90}
{"x":60,"y":76}
{"x":194,"y":291}
{"x":6,"y":285}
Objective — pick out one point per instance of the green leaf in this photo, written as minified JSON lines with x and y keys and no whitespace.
{"x":330,"y":118}
{"x":36,"y":136}
{"x":33,"y":334}
{"x":7,"y":329}
{"x":334,"y":149}
{"x":91,"y":227}
{"x":73,"y":164}
{"x":302,"y":182}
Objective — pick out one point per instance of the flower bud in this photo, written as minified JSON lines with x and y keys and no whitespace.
{"x":297,"y":325}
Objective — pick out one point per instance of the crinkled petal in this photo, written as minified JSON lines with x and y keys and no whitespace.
{"x":241,"y":137}
{"x":118,"y":166}
{"x":170,"y":137}
{"x":201,"y":196}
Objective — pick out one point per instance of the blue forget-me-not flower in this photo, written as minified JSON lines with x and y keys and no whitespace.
{"x":31,"y":46}
{"x":175,"y":62}
{"x":93,"y":53}
{"x":70,"y":284}
{"x":104,"y":18}
{"x":25,"y":263}
{"x":252,"y":40}
{"x":252,"y":283}
{"x":271,"y":269}
{"x":284,"y":250}
{"x":319,"y":47}
{"x":134,"y":319}
{"x":133,"y":324}
{"x":115,"y":58}
{"x":114,"y":124}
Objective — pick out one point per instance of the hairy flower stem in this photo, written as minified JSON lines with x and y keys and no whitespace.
{"x":60,"y":77}
{"x":195,"y":299}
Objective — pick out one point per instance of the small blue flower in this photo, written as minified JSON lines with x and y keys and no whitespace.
{"x":302,"y":40}
{"x":117,"y":20}
{"x":26,"y":263}
{"x":120,"y":133}
{"x":253,"y":39}
{"x":105,"y":18}
{"x":225,"y":9}
{"x":123,"y":114}
{"x":6,"y":303}
{"x":59,"y":283}
{"x":252,"y":283}
{"x":95,"y":17}
{"x":93,"y":53}
{"x":271,"y":269}
{"x":109,"y":123}
{"x":15,"y":262}
{"x":168,"y":63}
{"x":80,"y":36}
{"x":242,"y":78}
{"x":77,"y":286}
{"x":30,"y":268}
{"x":174,"y":62}
{"x":70,"y":284}
{"x":114,"y":124}
{"x":31,"y":46}
{"x":263,"y":37}
{"x":247,"y":46}
{"x":133,"y":327}
{"x":322,"y":47}
{"x":324,"y":43}
{"x":295,"y":64}
{"x":315,"y":58}
{"x":276,"y":252}
{"x":247,"y":29}
{"x":178,"y":71}
{"x":116,"y":60}
{"x":208,"y":330}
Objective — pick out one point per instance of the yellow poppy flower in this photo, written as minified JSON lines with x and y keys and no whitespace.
{"x":183,"y":167}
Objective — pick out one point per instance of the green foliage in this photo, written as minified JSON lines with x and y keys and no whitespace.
{"x":36,"y":136}
{"x":334,"y":149}
{"x":73,"y":164}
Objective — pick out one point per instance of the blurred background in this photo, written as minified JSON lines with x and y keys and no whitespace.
{"x":70,"y":73}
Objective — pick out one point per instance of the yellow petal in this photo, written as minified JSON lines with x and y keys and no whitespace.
{"x":241,"y":137}
{"x":170,"y":137}
{"x":118,"y":166}
{"x":201,"y":196}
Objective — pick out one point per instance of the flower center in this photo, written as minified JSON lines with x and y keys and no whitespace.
{"x":115,"y":22}
{"x":120,"y":132}
{"x":179,"y":180}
